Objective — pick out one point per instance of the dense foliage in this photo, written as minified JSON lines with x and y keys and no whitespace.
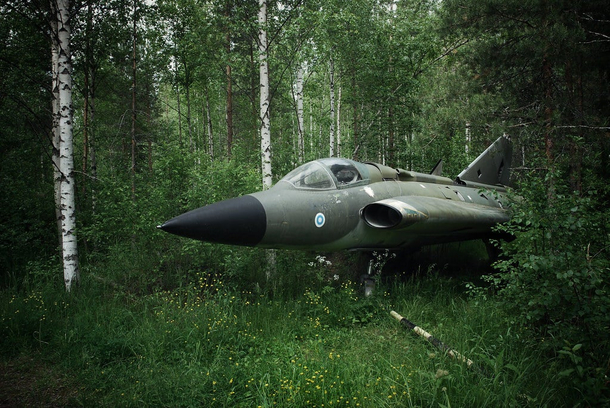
{"x":400,"y":82}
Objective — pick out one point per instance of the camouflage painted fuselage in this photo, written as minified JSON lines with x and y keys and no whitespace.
{"x":334,"y":204}
{"x":383,"y":214}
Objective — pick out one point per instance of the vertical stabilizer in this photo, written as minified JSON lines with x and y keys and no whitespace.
{"x":492,"y":166}
{"x":438,"y":168}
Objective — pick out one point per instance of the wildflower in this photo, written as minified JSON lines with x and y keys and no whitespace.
{"x":441,"y":373}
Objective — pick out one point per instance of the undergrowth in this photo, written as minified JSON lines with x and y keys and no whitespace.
{"x":209,"y":343}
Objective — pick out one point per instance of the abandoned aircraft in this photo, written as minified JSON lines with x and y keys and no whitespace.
{"x":335,"y":204}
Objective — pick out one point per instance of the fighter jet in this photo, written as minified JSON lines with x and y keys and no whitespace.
{"x":335,"y":204}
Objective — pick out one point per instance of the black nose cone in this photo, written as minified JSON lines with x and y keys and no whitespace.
{"x":238,"y":221}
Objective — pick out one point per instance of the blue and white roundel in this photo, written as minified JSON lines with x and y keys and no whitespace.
{"x":320,"y":220}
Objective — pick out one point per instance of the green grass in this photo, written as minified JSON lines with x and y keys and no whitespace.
{"x":207,"y":344}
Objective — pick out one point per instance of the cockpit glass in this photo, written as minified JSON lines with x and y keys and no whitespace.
{"x":327,"y":174}
{"x":344,"y":171}
{"x":310,"y":175}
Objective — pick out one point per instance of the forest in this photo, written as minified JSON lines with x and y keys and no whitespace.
{"x":116,"y":116}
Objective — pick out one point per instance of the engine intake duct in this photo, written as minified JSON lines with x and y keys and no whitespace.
{"x":392,"y":213}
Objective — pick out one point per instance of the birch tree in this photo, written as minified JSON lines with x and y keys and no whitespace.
{"x":332,"y":106}
{"x":64,"y":123}
{"x":299,"y":98}
{"x":264,"y":96}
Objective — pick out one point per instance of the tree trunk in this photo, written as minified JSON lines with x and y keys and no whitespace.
{"x":92,"y":147}
{"x":149,"y":126}
{"x":264,"y":96}
{"x":229,"y":111}
{"x":179,"y":109}
{"x":355,"y":119}
{"x":87,"y":90}
{"x":208,"y":116}
{"x":66,"y":150}
{"x":332,"y":107}
{"x":390,"y":147}
{"x":254,"y":79}
{"x":85,"y":126}
{"x":187,"y":88}
{"x":338,"y":149}
{"x":300,"y":124}
{"x":133,"y":104}
{"x":264,"y":118}
{"x":575,"y":101}
{"x":311,"y":126}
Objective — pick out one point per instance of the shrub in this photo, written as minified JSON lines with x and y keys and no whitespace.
{"x":553,"y":278}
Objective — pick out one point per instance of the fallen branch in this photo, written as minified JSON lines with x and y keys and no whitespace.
{"x":439,"y":344}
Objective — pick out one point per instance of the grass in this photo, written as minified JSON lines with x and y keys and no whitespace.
{"x":211,"y":344}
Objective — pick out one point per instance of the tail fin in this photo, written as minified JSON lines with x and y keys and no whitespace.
{"x":492,"y":167}
{"x":438,"y":168}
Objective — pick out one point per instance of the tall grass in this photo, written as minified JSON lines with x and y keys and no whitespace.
{"x":208,"y":343}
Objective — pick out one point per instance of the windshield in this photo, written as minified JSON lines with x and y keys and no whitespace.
{"x":310,"y":175}
{"x":327,"y":174}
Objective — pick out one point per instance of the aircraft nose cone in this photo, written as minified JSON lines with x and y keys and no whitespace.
{"x":238,"y":221}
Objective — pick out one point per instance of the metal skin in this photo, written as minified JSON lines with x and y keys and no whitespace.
{"x":335,"y":204}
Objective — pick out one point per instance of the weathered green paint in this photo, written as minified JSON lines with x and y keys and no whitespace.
{"x":335,"y":204}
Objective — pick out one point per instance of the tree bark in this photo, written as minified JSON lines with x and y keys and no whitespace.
{"x":66,"y":148}
{"x":208,"y":118}
{"x":338,"y":148}
{"x":264,"y":97}
{"x":179,"y":109}
{"x":355,"y":119}
{"x":229,"y":110}
{"x":133,"y":104}
{"x":300,"y":122}
{"x":187,"y":89}
{"x":332,"y":107}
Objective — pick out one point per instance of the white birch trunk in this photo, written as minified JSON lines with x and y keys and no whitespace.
{"x":66,"y":151}
{"x":468,"y":139}
{"x":310,"y":126}
{"x":338,"y":149}
{"x":332,"y":107}
{"x":264,"y":118}
{"x":264,"y":96}
{"x":300,"y":120}
{"x":178,"y":107}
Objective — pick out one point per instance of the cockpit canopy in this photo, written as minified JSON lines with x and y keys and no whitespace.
{"x":327,"y":174}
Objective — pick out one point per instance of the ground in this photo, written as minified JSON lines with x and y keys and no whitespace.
{"x":26,"y":381}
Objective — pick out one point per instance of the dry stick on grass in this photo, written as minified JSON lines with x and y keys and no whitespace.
{"x":436,"y":342}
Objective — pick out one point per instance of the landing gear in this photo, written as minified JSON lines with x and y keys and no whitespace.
{"x":377,"y":261}
{"x":367,"y":281}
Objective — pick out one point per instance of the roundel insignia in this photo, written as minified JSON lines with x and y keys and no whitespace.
{"x":320,"y":220}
